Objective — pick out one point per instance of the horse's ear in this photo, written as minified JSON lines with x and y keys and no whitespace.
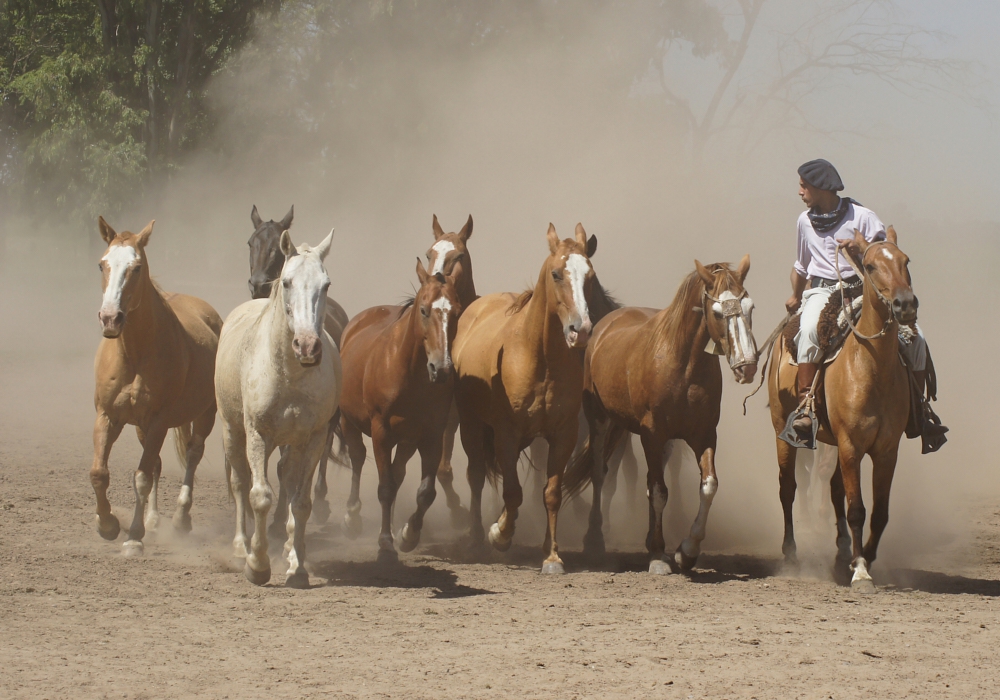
{"x":323,"y":249}
{"x":143,"y":237}
{"x":890,"y":234}
{"x":422,"y":273}
{"x":436,"y":228}
{"x":255,"y":218}
{"x":286,"y":223}
{"x":553,"y":239}
{"x":107,"y":233}
{"x":707,"y":277}
{"x":743,"y":268}
{"x":286,"y":246}
{"x":581,"y":236}
{"x":591,"y":246}
{"x":466,"y":232}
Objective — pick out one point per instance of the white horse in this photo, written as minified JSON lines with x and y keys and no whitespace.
{"x":277,"y":383}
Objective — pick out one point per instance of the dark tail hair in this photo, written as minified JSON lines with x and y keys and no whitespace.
{"x":580,"y":470}
{"x":340,"y":456}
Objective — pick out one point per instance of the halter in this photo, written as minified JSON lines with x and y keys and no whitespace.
{"x":863,"y":274}
{"x":731,"y":309}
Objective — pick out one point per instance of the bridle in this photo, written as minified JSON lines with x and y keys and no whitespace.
{"x":866,"y":278}
{"x":732,"y":309}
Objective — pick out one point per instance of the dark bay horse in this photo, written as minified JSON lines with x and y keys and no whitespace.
{"x":867,"y":404}
{"x":154,"y":370}
{"x":398,"y":389}
{"x":450,"y":256}
{"x":266,"y":260}
{"x":654,"y":373}
{"x":520,"y":375}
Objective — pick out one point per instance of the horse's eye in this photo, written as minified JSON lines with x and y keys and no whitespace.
{"x":100,"y":266}
{"x":556,"y":276}
{"x":428,"y":256}
{"x":287,"y":283}
{"x":869,"y":268}
{"x":424,"y":312}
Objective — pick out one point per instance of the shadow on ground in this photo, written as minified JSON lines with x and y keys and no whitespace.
{"x":937,"y":582}
{"x":394,"y":574}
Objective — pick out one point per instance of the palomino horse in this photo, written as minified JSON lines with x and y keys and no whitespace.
{"x":278,"y":382}
{"x":520,"y":375}
{"x":867,"y":404}
{"x":154,"y":370}
{"x":650,"y":372}
{"x":266,"y":260}
{"x":450,"y":256}
{"x":398,"y":389}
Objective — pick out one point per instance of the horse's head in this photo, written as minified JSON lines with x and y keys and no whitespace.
{"x":448,"y":254}
{"x":729,"y":316}
{"x":123,"y":265}
{"x":886,"y":267}
{"x":303,"y":287}
{"x":438,"y":307}
{"x":265,"y":252}
{"x":569,"y":279}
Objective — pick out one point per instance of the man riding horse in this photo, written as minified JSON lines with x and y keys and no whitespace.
{"x":829,"y":220}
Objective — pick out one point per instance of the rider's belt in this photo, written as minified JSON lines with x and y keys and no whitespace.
{"x":850,"y":282}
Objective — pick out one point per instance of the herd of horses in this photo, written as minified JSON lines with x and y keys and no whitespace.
{"x":289,"y":370}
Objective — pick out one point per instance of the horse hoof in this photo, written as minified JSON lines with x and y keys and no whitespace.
{"x":407,"y":541}
{"x":593,"y":544}
{"x":684,"y":562}
{"x":863,"y":586}
{"x":553,"y":567}
{"x":387,"y":557}
{"x":109,"y":529}
{"x":659,"y":567}
{"x":132,"y":548}
{"x":499,"y":544}
{"x":321,"y":512}
{"x":298,"y":580}
{"x":182,"y":522}
{"x":257,"y":578}
{"x":352,"y":526}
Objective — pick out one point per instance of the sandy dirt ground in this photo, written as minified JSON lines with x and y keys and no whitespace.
{"x":79,"y":620}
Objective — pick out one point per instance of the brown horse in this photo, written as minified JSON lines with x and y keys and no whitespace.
{"x":154,"y":370}
{"x":266,"y":261}
{"x":520,"y":375}
{"x":398,"y":389}
{"x":867,"y":404}
{"x":450,"y":255}
{"x":653,"y":373}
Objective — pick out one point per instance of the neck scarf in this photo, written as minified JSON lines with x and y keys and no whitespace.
{"x":827,"y":222}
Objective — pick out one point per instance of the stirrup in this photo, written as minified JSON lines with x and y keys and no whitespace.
{"x":932,"y":436}
{"x":795,"y":438}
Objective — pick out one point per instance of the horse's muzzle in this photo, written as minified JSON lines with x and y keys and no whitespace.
{"x":111,"y":322}
{"x":904,"y":307}
{"x":308,"y":350}
{"x":745,"y":373}
{"x":578,"y":336}
{"x":438,"y":373}
{"x":259,"y":289}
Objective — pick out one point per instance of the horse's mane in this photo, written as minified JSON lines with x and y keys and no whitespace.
{"x":605,"y":302}
{"x":408,"y":301}
{"x":689,"y":295}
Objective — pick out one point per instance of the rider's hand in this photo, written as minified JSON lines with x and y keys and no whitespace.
{"x":792,"y":305}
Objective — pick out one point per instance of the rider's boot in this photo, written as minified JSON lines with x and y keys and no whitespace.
{"x":803,"y":423}
{"x":932,"y":437}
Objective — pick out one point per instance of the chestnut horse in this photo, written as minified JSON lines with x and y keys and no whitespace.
{"x":398,"y":389}
{"x":867,"y":404}
{"x":266,"y":260}
{"x":278,"y":381}
{"x":154,"y":370}
{"x":654,"y":373}
{"x":450,"y":256}
{"x":520,"y":375}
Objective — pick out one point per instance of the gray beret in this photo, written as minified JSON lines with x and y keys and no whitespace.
{"x":822,"y":175}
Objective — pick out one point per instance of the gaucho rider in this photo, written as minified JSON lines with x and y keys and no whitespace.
{"x":828,"y":220}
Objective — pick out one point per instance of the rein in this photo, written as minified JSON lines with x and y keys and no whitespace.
{"x":765,"y":352}
{"x":865,"y":278}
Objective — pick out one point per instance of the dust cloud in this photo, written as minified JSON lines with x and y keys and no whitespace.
{"x":562,"y":118}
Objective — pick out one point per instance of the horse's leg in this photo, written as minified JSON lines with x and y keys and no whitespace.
{"x":631,"y":470}
{"x":593,"y":541}
{"x":258,"y":564}
{"x":321,"y":507}
{"x":446,"y":475}
{"x":850,"y":465}
{"x":200,"y":430}
{"x":302,"y":467}
{"x":152,"y":518}
{"x":823,"y":466}
{"x":502,"y":531}
{"x":837,"y":496}
{"x":142,"y":484}
{"x":473,"y":434}
{"x":883,"y":469}
{"x":430,"y":461}
{"x":387,"y":486}
{"x":238,"y":471}
{"x":786,"y":492}
{"x":357,"y":452}
{"x":279,"y":523}
{"x":561,"y":447}
{"x":687,"y":553}
{"x":656,"y":489}
{"x":105,"y":434}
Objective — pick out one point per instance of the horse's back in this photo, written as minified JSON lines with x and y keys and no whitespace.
{"x":363,"y":338}
{"x":234,"y":343}
{"x":478,"y":338}
{"x":196,"y":316}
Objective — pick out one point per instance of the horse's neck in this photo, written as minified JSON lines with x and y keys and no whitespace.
{"x":146,"y":323}
{"x":465,"y":286}
{"x":541,"y":326}
{"x":680,"y":330}
{"x":279,"y":335}
{"x":884,"y":348}
{"x":410,"y":342}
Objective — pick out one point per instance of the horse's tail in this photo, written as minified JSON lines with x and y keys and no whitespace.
{"x":340,"y":456}
{"x":580,"y":470}
{"x":490,"y":452}
{"x":182,"y":438}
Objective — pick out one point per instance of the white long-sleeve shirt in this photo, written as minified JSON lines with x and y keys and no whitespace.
{"x":816,"y":251}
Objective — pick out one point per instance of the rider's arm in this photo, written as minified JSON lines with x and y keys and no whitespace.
{"x":799,"y":271}
{"x":798,"y":286}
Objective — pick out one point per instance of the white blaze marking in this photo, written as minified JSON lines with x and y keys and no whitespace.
{"x":118,"y":258}
{"x":444,"y":306}
{"x":577,"y":269}
{"x":888,"y":254}
{"x":304,"y":296}
{"x":442,"y":248}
